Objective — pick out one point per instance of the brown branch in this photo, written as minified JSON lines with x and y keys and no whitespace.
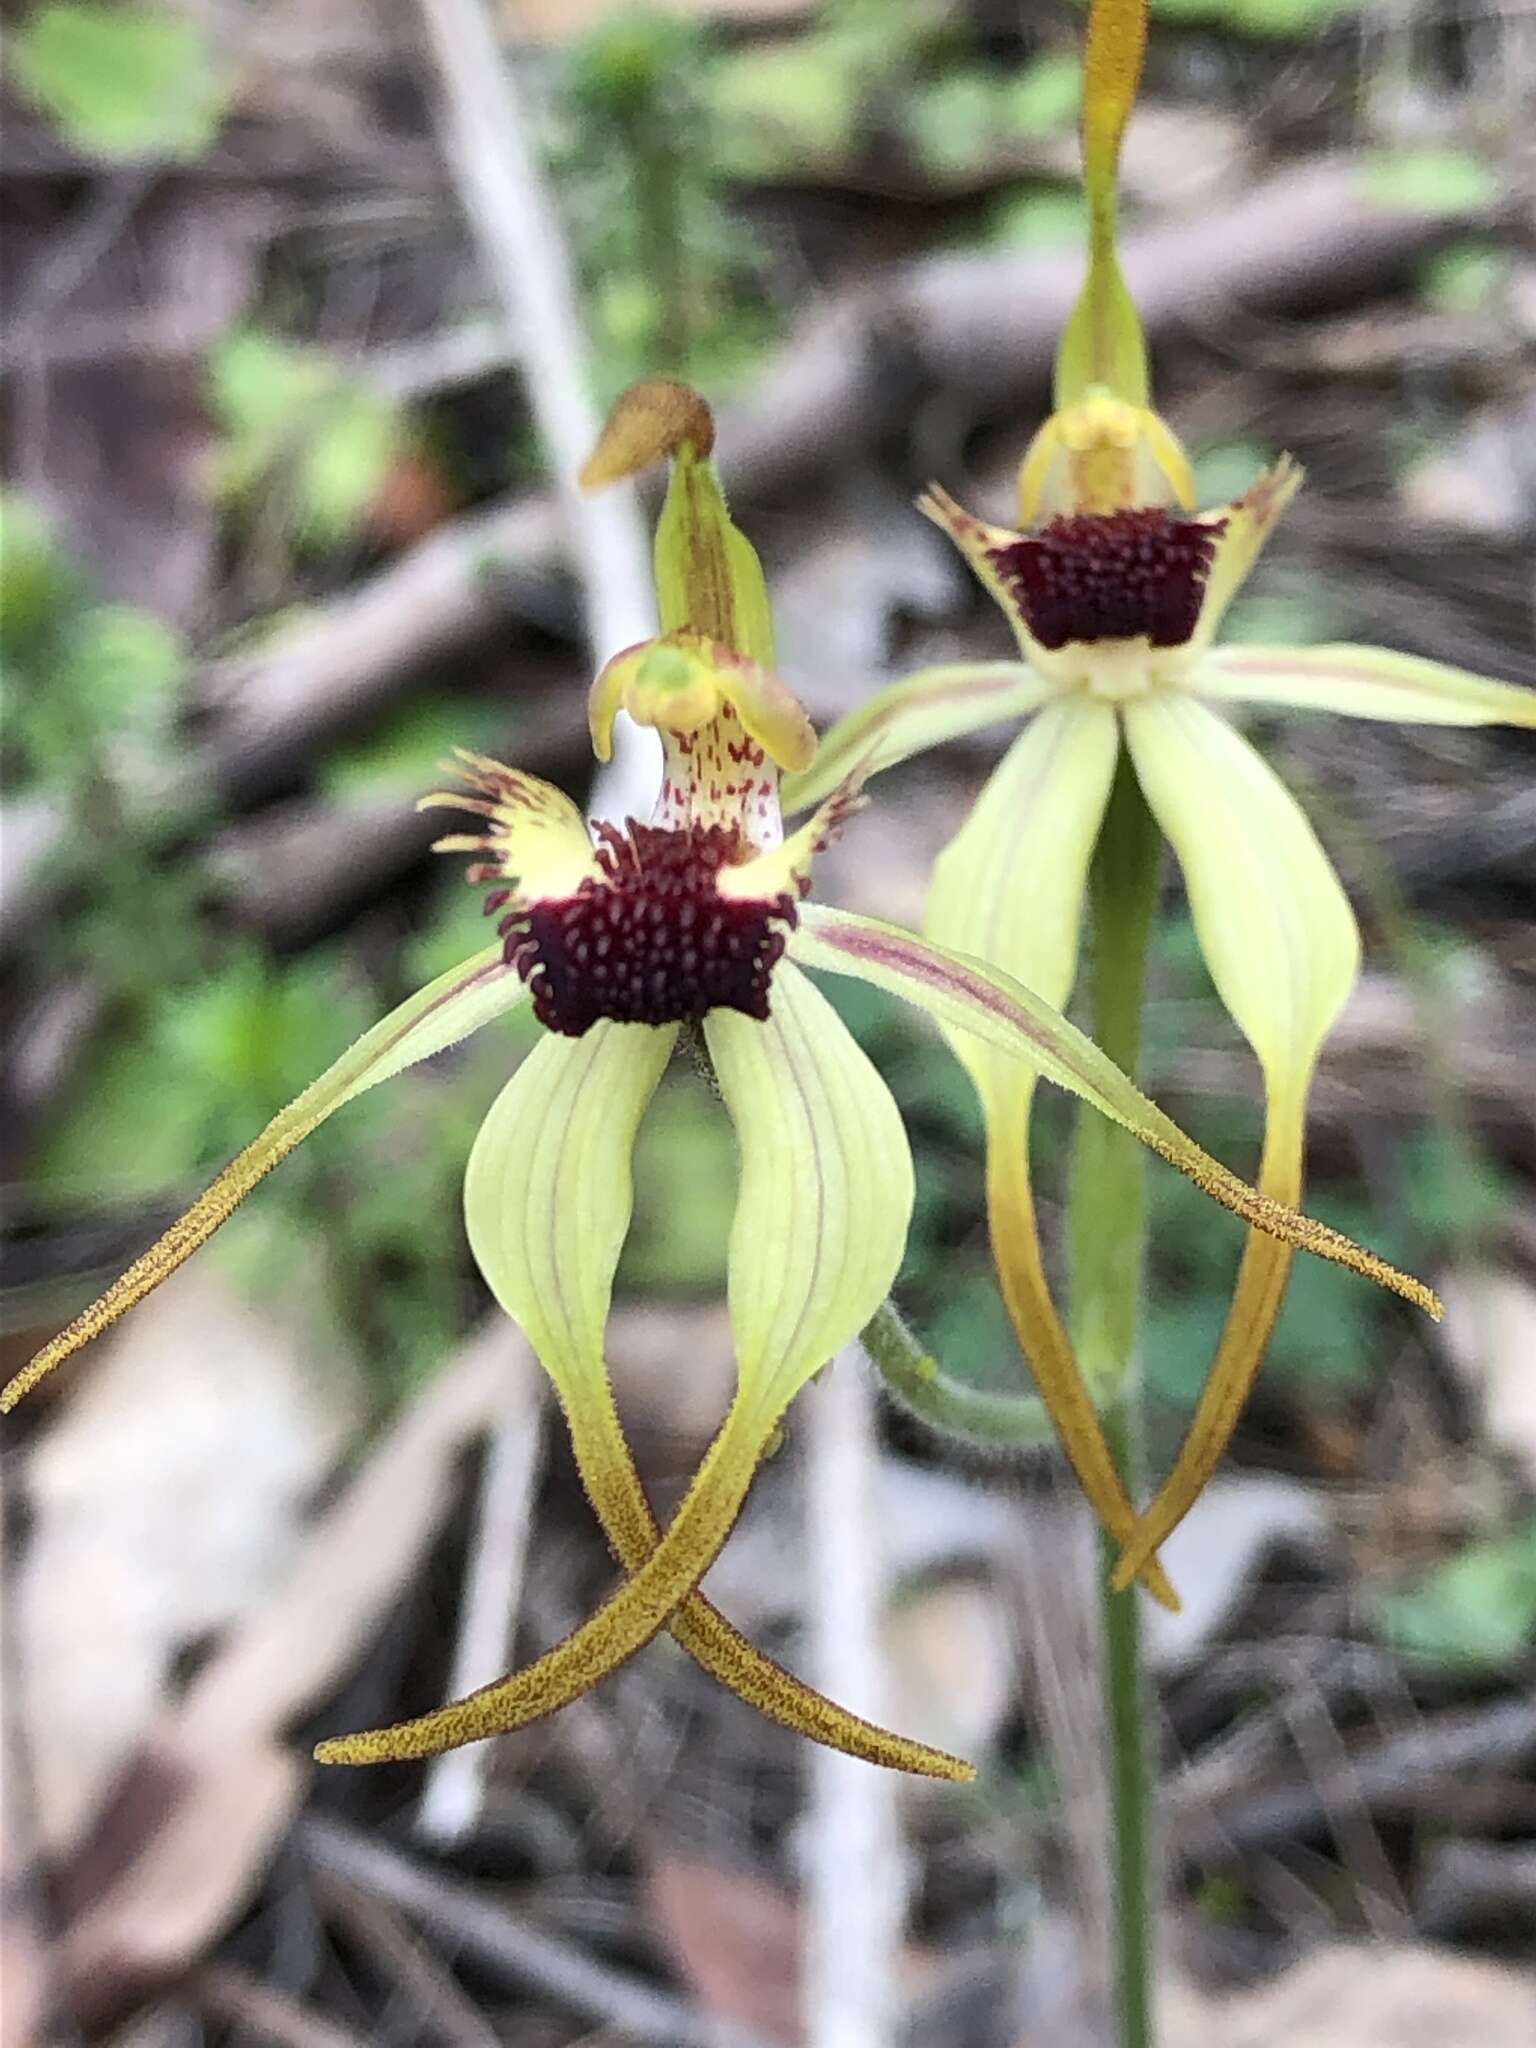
{"x":985,"y":326}
{"x":515,"y":1950}
{"x":981,"y":326}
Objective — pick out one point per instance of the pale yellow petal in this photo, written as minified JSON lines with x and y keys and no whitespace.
{"x":1009,"y":890}
{"x":1361,"y":682}
{"x":1280,"y":939}
{"x":1249,"y":523}
{"x":1273,"y":921}
{"x":920,"y":712}
{"x":826,"y":1188}
{"x":534,"y":837}
{"x":547,"y":1202}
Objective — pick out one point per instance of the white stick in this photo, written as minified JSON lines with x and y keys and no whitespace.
{"x":486,"y":139}
{"x":455,"y":1788}
{"x":856,"y":1881}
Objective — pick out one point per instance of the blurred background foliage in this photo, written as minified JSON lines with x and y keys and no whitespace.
{"x":295,"y":394}
{"x":663,"y":134}
{"x":676,"y":144}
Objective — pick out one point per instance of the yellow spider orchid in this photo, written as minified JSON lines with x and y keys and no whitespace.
{"x":622,"y":941}
{"x":1115,"y":589}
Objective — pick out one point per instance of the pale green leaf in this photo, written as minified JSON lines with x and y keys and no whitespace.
{"x":122,"y":82}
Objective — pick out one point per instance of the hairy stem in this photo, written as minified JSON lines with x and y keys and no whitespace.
{"x":917,"y":1382}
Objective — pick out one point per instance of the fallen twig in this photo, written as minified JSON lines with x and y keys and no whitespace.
{"x":430,"y":1989}
{"x":1394,"y":1776}
{"x":501,"y":1942}
{"x":983,"y":325}
{"x":856,"y":1881}
{"x":517,"y":232}
{"x":455,"y":1787}
{"x":261,"y":2009}
{"x":188,"y":1832}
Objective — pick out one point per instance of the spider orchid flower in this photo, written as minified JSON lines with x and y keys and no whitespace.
{"x":1115,"y":587}
{"x":622,"y":941}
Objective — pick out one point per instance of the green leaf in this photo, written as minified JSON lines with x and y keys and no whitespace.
{"x":405,"y":753}
{"x":685,"y":1192}
{"x":295,"y":419}
{"x":1436,"y":181}
{"x":35,"y":581}
{"x":128,"y":666}
{"x":121,"y":81}
{"x":956,"y":123}
{"x":1473,"y":1614}
{"x":1046,"y":96}
{"x":778,"y":106}
{"x":1464,"y":277}
{"x":1039,"y":220}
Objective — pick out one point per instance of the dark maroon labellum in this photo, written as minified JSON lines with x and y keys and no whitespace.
{"x":653,"y":941}
{"x":1111,"y":576}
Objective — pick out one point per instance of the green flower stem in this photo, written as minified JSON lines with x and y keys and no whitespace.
{"x":1107,"y":1243}
{"x":915,"y":1379}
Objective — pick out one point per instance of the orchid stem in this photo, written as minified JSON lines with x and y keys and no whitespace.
{"x":1107,"y":1239}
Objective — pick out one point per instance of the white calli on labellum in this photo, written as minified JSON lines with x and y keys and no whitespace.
{"x":1115,"y":589}
{"x":623,"y":939}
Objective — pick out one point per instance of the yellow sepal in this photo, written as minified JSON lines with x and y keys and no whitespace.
{"x":547,"y":1201}
{"x":1250,"y":1322}
{"x":1361,"y":682}
{"x":826,"y":1188}
{"x":437,"y":1016}
{"x":1009,"y":889}
{"x":910,"y":717}
{"x":1273,"y":921}
{"x":1283,"y":949}
{"x":1103,"y":345}
{"x":820,"y":1225}
{"x":708,"y":577}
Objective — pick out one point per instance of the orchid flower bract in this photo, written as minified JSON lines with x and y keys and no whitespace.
{"x":622,"y":939}
{"x":1115,"y":588}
